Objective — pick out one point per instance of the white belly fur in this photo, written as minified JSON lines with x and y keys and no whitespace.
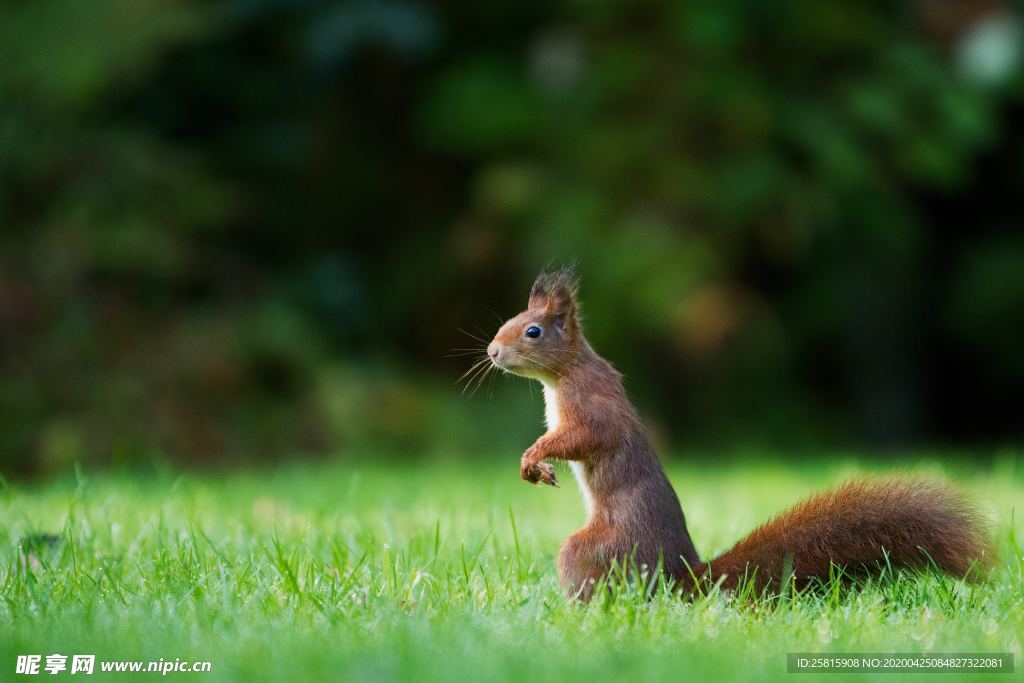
{"x":552,"y":418}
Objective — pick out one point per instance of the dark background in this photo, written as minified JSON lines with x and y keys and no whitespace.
{"x":248,"y":230}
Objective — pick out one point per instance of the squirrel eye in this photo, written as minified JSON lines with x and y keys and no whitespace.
{"x":533,"y":332}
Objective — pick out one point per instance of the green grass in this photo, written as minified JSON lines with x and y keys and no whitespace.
{"x":445,"y":571}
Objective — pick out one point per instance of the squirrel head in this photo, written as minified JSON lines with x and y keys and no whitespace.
{"x":542,"y":341}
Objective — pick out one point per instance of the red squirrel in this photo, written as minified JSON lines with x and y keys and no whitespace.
{"x":633,"y":514}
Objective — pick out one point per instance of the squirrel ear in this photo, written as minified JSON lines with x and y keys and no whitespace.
{"x":556,"y":294}
{"x":561,"y":302}
{"x":539,"y":293}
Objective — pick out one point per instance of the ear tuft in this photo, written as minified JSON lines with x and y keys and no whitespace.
{"x":556,"y":291}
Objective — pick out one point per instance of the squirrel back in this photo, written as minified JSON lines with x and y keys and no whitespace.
{"x":633,"y":512}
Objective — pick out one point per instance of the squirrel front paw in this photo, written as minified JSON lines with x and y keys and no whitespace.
{"x":538,"y":472}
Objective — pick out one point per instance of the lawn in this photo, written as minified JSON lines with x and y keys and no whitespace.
{"x":444,"y":570}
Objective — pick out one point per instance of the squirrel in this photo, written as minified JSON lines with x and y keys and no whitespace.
{"x":634,"y":516}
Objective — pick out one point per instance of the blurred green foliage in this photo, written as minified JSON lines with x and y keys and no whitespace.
{"x":252,"y":227}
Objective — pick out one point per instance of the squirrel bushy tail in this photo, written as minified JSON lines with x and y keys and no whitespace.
{"x":861,"y":527}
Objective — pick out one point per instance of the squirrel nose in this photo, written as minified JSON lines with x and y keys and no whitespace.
{"x":492,"y":350}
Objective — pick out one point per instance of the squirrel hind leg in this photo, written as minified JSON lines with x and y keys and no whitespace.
{"x":592,"y":554}
{"x":586,"y":558}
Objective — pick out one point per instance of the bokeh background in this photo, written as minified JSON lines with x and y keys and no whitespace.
{"x":248,"y":230}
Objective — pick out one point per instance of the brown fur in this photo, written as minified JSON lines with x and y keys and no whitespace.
{"x":636,"y":515}
{"x":861,"y":526}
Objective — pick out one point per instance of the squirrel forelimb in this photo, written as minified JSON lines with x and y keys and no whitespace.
{"x":537,"y":472}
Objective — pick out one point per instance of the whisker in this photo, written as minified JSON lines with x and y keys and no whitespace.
{"x":472,"y":367}
{"x":481,"y":379}
{"x":553,"y":370}
{"x":490,"y":386}
{"x":476,"y":370}
{"x":492,"y":312}
{"x":475,"y":382}
{"x":472,"y":336}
